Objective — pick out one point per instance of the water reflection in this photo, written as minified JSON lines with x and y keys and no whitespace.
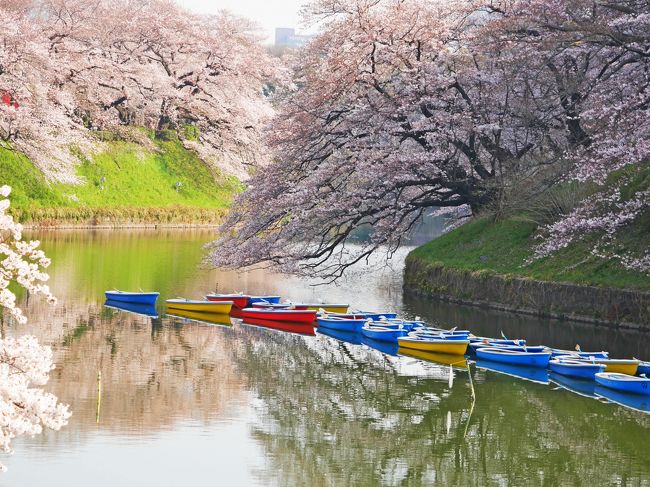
{"x":186,"y":396}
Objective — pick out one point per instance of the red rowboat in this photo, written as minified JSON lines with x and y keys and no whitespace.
{"x":238,"y":300}
{"x":300,"y":328}
{"x":290,"y":315}
{"x":260,"y":305}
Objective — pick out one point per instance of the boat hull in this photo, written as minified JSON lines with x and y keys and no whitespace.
{"x":218,"y":307}
{"x":329,"y":308}
{"x":135,"y":298}
{"x":624,"y":383}
{"x":238,"y":301}
{"x":451,"y":347}
{"x":286,"y":315}
{"x":527,"y":359}
{"x":341,"y":324}
{"x":381,"y":334}
{"x":298,"y":328}
{"x":575,"y":369}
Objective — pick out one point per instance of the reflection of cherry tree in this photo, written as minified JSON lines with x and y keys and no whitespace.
{"x":24,"y":409}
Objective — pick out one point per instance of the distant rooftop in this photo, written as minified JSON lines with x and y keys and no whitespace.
{"x":287,"y":37}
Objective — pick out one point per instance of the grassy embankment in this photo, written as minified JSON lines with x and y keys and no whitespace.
{"x":139,"y":187}
{"x":487,"y":245}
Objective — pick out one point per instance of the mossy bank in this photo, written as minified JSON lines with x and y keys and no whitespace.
{"x":487,"y":262}
{"x":124,"y":183}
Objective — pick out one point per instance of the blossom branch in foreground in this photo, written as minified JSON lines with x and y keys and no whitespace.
{"x":24,"y":409}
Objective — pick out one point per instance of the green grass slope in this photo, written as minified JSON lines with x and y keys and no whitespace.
{"x":503,"y":246}
{"x":138,"y":185}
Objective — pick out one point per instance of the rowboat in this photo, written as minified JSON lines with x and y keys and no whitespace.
{"x":298,"y":328}
{"x":624,"y":382}
{"x":578,"y":353}
{"x":268,"y":299}
{"x":575,"y":368}
{"x":353,"y":337}
{"x":434,"y":357}
{"x":383,"y":333}
{"x":328,"y":307}
{"x":620,"y":366}
{"x":288,"y":315}
{"x":365,"y":314}
{"x":199,"y":317}
{"x":135,"y":308}
{"x":220,"y":307}
{"x":491,"y":342}
{"x":532,"y":374}
{"x":518,"y":348}
{"x":529,"y":359}
{"x":341,"y":324}
{"x":238,"y":300}
{"x":426,"y":344}
{"x":129,"y":297}
{"x":643,"y":368}
{"x":389,"y":348}
{"x":264,"y":304}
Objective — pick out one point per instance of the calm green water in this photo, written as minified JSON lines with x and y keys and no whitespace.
{"x":186,"y":403}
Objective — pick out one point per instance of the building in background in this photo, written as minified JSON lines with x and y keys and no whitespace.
{"x":287,"y":37}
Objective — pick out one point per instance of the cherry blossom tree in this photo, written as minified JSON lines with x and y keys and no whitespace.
{"x":401,"y":106}
{"x":25,"y":408}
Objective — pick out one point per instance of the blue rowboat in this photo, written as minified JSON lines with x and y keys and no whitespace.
{"x":529,"y":359}
{"x":557,"y":352}
{"x":396,"y":322}
{"x":639,"y":402}
{"x":624,"y":383}
{"x":582,"y":387}
{"x":129,"y":297}
{"x":263,"y":299}
{"x":533,"y":374}
{"x":377,"y":316}
{"x":475,"y":345}
{"x":522,"y":348}
{"x":575,"y":368}
{"x":383,"y":333}
{"x":389,"y":348}
{"x":341,"y":324}
{"x":136,"y":308}
{"x":353,"y":337}
{"x":643,"y":368}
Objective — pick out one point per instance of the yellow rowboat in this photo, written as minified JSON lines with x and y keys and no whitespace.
{"x":424,"y":344}
{"x":622,"y":366}
{"x":330,"y":308}
{"x":436,"y":358}
{"x":211,"y":318}
{"x":219,"y":307}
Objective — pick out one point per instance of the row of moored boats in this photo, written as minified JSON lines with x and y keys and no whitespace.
{"x":625,"y":375}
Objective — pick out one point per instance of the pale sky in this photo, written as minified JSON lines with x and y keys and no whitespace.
{"x":268,"y":13}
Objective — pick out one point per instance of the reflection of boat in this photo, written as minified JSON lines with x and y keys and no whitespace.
{"x":238,"y":300}
{"x":342,"y":324}
{"x":268,"y":299}
{"x":533,"y":374}
{"x":624,"y":383}
{"x":582,"y":387}
{"x":389,"y":348}
{"x":220,"y":307}
{"x":575,"y":368}
{"x":383,"y":333}
{"x":137,"y":308}
{"x":526,"y":359}
{"x":287,"y":315}
{"x":211,"y":318}
{"x":300,"y":328}
{"x":437,"y":358}
{"x":615,"y":365}
{"x":353,"y":337}
{"x":633,"y":401}
{"x":452,"y":347}
{"x":128,"y":297}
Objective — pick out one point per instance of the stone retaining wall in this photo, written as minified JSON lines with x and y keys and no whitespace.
{"x":614,"y":307}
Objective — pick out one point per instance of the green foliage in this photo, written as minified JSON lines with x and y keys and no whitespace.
{"x":125,"y":182}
